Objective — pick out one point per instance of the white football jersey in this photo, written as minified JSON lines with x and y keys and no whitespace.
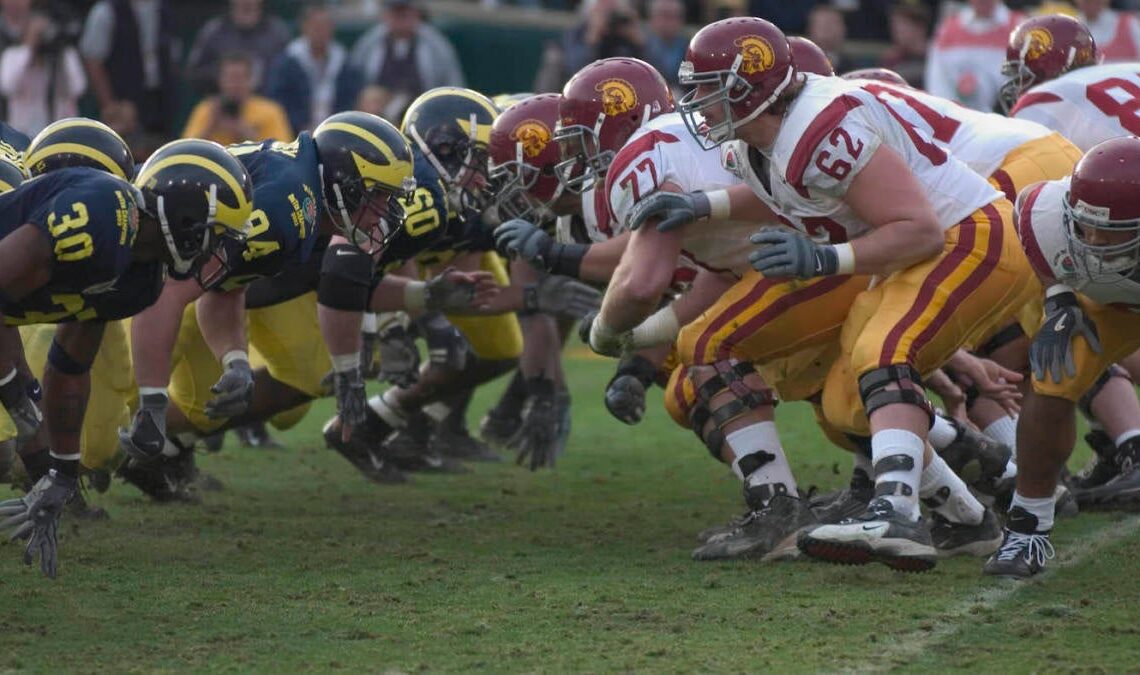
{"x":663,"y":151}
{"x":1041,"y":227}
{"x":1087,"y":105}
{"x":828,"y":136}
{"x":596,"y":216}
{"x":979,"y":139}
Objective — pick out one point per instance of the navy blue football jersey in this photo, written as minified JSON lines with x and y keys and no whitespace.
{"x":90,"y":220}
{"x":14,"y":139}
{"x":286,"y":208}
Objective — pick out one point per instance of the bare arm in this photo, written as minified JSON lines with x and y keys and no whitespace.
{"x":602,"y":259}
{"x":25,"y":262}
{"x":154,"y":332}
{"x":886,"y":196}
{"x":221,"y":318}
{"x":745,"y":205}
{"x":645,"y":271}
{"x":66,"y":394}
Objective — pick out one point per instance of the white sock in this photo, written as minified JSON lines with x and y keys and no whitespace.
{"x":891,"y":443}
{"x":1010,"y":470}
{"x":1042,"y":507}
{"x":761,"y":437}
{"x":943,"y":433}
{"x":944,"y":493}
{"x":389,"y":412}
{"x":1126,"y":436}
{"x":1004,"y":431}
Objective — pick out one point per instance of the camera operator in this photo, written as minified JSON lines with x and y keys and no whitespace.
{"x":42,"y":77}
{"x":236,"y":114}
{"x":611,"y":28}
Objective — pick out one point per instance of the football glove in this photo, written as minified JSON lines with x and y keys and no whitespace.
{"x":672,"y":209}
{"x":350,"y":398}
{"x":233,"y":392}
{"x":525,"y":240}
{"x":35,"y":517}
{"x":537,"y":437}
{"x":555,"y":294}
{"x":1051,"y":351}
{"x":783,"y":253}
{"x":145,"y":441}
{"x":17,"y":397}
{"x":399,"y":357}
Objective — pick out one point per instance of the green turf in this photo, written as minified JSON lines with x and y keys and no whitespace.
{"x":301,"y":565}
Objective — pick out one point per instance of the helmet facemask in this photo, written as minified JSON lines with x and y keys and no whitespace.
{"x":1019,"y":78}
{"x":584,"y":162}
{"x":513,"y":182}
{"x":1101,"y":263}
{"x":461,"y":160}
{"x":368,"y":216}
{"x":730,"y":90}
{"x":191,"y":243}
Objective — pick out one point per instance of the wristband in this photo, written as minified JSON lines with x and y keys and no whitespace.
{"x":344,"y":363}
{"x":720,"y":204}
{"x":566,"y":259}
{"x":845,"y":253}
{"x":234,"y":355}
{"x":1057,"y":289}
{"x":8,"y":378}
{"x":370,"y":323}
{"x":600,"y":332}
{"x":662,"y":327}
{"x":415,"y":295}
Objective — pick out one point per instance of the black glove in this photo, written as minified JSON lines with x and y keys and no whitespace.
{"x":447,"y":347}
{"x":783,"y":253}
{"x":1052,"y":348}
{"x":17,"y":397}
{"x":145,"y":441}
{"x":233,"y":392}
{"x":555,"y":294}
{"x":537,"y":437}
{"x":672,"y":209}
{"x":35,"y":517}
{"x":625,"y":393}
{"x":350,"y":398}
{"x":399,"y":357}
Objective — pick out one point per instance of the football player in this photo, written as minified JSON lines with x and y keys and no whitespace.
{"x":1082,"y":235}
{"x":70,"y":236}
{"x":819,"y":151}
{"x":355,"y":164}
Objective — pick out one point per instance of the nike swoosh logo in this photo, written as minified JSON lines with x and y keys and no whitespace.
{"x":869,"y":528}
{"x":343,"y":252}
{"x":1060,"y":325}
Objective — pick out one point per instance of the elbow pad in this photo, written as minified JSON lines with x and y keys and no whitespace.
{"x":346,"y":279}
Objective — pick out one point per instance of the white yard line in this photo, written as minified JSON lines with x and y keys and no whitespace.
{"x":962,"y":614}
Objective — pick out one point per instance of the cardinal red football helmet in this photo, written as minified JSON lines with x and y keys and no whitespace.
{"x":1102,"y":210}
{"x":602,"y":105}
{"x":523,"y":158}
{"x":877,"y":74}
{"x":808,"y":57}
{"x":1042,"y":48}
{"x":738,"y":68}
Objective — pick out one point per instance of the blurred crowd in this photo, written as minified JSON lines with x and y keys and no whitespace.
{"x":260,"y":77}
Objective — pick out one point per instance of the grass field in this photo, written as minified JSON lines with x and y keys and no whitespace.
{"x":302,"y":565}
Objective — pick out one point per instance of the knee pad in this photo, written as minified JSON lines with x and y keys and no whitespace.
{"x":873,"y":389}
{"x":346,"y":279}
{"x":1002,"y":338}
{"x":720,"y":377}
{"x":1085,"y":402}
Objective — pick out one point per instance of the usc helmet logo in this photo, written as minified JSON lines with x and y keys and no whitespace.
{"x":757,"y":54}
{"x":618,"y":96}
{"x":533,"y":135}
{"x":1038,"y":43}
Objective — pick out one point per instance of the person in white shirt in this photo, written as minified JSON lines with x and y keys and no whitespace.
{"x":964,"y":62}
{"x":1117,"y":34}
{"x":41,"y":78}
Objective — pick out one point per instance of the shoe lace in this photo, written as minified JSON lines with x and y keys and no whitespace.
{"x":1035,"y":547}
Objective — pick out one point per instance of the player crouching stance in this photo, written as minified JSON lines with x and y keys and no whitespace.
{"x":1082,"y":235}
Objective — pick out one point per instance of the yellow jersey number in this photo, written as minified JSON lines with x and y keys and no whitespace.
{"x":76,"y":245}
{"x":421,"y":216}
{"x":258,"y":225}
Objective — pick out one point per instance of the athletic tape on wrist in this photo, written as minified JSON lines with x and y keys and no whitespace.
{"x":415,"y":295}
{"x":720,"y":205}
{"x":234,"y":355}
{"x":846,"y":257}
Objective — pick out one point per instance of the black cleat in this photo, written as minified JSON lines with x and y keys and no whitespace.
{"x":717,"y":531}
{"x":951,"y":539}
{"x":214,"y":442}
{"x":1122,"y":491}
{"x":77,"y":507}
{"x":498,"y":430}
{"x":459,"y":444}
{"x":355,"y":450}
{"x":847,"y":503}
{"x":409,"y":449}
{"x":767,"y":534}
{"x":879,"y":534}
{"x":161,"y":480}
{"x":1101,"y":468}
{"x":1023,"y":550}
{"x":257,"y":436}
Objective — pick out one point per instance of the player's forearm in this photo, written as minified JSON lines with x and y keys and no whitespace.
{"x":540,"y":339}
{"x":644,"y":273}
{"x":341,"y":331}
{"x":707,"y":288}
{"x":154,"y":332}
{"x":896,"y":246}
{"x":221,"y":318}
{"x":67,"y":385}
{"x":601,"y":259}
{"x":745,"y":205}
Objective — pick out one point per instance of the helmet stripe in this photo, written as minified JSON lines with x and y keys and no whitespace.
{"x":44,"y":152}
{"x":367,"y":135}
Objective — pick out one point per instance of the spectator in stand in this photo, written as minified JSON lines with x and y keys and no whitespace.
{"x":964,"y":63}
{"x":405,"y":55}
{"x":665,"y":43}
{"x":14,"y":16}
{"x":312,"y":80}
{"x":236,"y":114}
{"x":1117,"y":34}
{"x":245,"y":28}
{"x":42,"y":80}
{"x":607,"y":28}
{"x":790,"y":16}
{"x":826,"y":28}
{"x":130,"y":49}
{"x":910,"y":25}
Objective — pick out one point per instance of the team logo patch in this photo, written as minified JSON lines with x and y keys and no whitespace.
{"x":533,"y":135}
{"x":757,"y":54}
{"x":310,"y":209}
{"x":1064,"y":262}
{"x":618,"y":96}
{"x":1038,"y":43}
